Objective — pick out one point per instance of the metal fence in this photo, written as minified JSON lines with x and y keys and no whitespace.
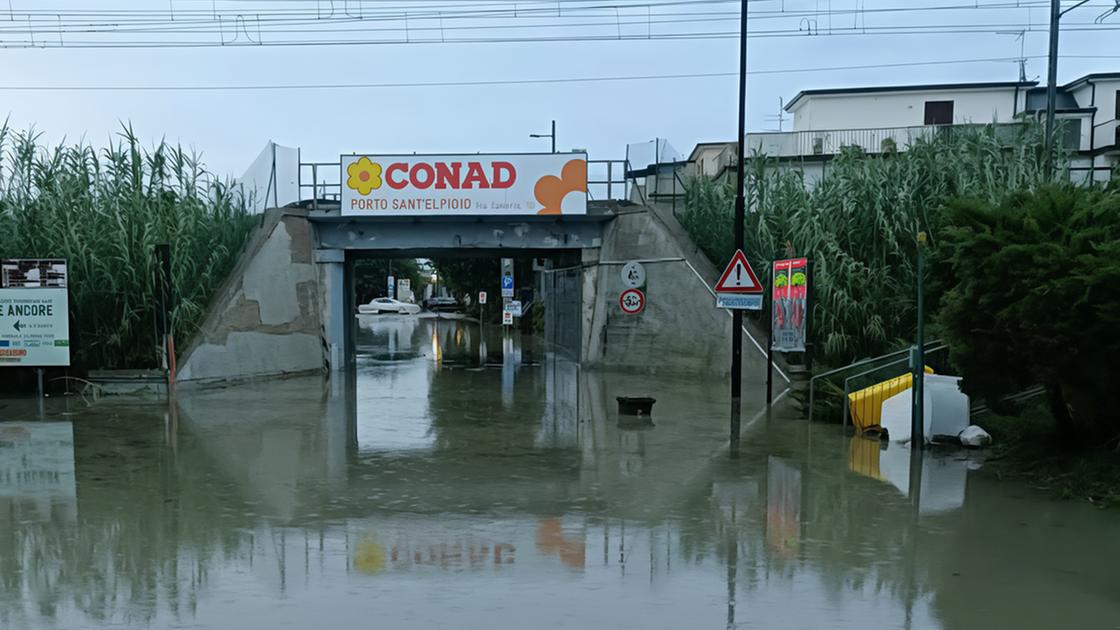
{"x":871,"y":382}
{"x":870,"y":140}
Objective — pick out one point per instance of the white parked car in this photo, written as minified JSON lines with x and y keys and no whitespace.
{"x":388,"y":305}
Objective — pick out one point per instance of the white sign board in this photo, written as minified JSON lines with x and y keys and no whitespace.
{"x":513,"y":307}
{"x":464,"y":185}
{"x":507,"y":318}
{"x":633,"y":275}
{"x":481,"y":297}
{"x":741,"y":301}
{"x":34,"y":327}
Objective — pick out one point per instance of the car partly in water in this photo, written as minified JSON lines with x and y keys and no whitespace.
{"x":388,"y":305}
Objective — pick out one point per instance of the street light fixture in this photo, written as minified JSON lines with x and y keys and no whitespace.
{"x":547,"y":135}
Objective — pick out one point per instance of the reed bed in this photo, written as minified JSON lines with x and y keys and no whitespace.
{"x":860,"y":222}
{"x":105,"y":210}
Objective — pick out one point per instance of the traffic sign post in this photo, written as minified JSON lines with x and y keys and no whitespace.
{"x":738,"y":287}
{"x":507,"y":277}
{"x":632,"y":301}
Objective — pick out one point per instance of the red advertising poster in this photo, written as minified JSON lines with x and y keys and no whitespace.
{"x":791,"y":288}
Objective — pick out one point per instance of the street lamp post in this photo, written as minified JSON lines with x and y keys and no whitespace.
{"x":547,"y":135}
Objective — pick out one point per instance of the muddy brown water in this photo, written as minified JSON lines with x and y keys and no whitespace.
{"x":461,"y":479}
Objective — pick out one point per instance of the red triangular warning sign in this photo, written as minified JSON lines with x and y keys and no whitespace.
{"x":738,"y":277}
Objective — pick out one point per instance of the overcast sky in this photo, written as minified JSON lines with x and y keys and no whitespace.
{"x":231,"y":127}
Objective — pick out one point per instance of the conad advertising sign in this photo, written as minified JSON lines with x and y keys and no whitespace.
{"x":443,"y":185}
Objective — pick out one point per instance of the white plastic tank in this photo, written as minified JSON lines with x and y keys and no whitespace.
{"x":945,"y":409}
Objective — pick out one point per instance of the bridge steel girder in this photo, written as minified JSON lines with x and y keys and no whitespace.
{"x":529,"y":233}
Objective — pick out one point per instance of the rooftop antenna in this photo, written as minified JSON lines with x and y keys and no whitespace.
{"x":1021,"y":37}
{"x":780,"y":117}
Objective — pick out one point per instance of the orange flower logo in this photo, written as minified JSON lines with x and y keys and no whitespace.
{"x":363,"y":176}
{"x":552,"y":191}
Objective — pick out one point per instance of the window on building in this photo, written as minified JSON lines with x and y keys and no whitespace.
{"x":939,"y":112}
{"x":1117,"y":104}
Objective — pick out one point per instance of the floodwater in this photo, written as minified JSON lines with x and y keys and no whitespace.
{"x":466,"y":480}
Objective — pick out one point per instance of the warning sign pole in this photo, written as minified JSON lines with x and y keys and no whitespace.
{"x":740,"y":206}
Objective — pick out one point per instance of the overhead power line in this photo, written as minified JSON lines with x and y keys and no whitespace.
{"x":353,"y":23}
{"x":483,"y":83}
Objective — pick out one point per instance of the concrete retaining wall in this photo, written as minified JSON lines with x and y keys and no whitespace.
{"x":266,"y":320}
{"x":284,"y":301}
{"x":680,"y":330}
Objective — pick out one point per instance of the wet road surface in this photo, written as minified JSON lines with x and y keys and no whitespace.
{"x":468,"y":480}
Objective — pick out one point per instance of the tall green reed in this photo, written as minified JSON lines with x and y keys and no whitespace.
{"x":105,"y":211}
{"x":859,"y":223}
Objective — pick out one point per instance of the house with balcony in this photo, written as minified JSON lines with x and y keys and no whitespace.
{"x":883,"y":119}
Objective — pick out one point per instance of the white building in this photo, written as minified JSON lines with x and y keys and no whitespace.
{"x":887,"y":118}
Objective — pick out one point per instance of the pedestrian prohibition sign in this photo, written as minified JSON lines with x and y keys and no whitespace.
{"x":632,"y":301}
{"x":738,"y":287}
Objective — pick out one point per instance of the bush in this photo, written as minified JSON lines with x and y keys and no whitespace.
{"x":105,"y":211}
{"x":1032,"y":298}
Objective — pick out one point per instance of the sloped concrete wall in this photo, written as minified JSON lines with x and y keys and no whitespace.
{"x":680,"y":330}
{"x":266,"y":320}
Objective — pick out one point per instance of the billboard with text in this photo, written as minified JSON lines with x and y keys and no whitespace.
{"x":461,"y":185}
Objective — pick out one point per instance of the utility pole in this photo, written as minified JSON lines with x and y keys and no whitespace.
{"x":1056,"y":14}
{"x":1052,"y":81}
{"x":547,"y":135}
{"x":740,"y":206}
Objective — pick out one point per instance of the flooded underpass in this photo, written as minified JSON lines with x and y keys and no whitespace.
{"x":473,"y":478}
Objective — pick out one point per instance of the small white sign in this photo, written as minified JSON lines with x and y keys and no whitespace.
{"x":739,"y":301}
{"x":633,"y":275}
{"x":481,"y":297}
{"x":513,"y":307}
{"x":34,"y":327}
{"x":507,"y":318}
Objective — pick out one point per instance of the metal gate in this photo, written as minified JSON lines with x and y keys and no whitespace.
{"x":563,"y":309}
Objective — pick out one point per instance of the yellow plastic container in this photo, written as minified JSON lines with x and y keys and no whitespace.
{"x":866,"y":405}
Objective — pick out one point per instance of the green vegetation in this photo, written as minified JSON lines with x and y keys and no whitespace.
{"x":859,"y":224}
{"x":105,"y":211}
{"x":1032,"y":299}
{"x":371,"y":277}
{"x":1025,"y":440}
{"x":1022,"y":281}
